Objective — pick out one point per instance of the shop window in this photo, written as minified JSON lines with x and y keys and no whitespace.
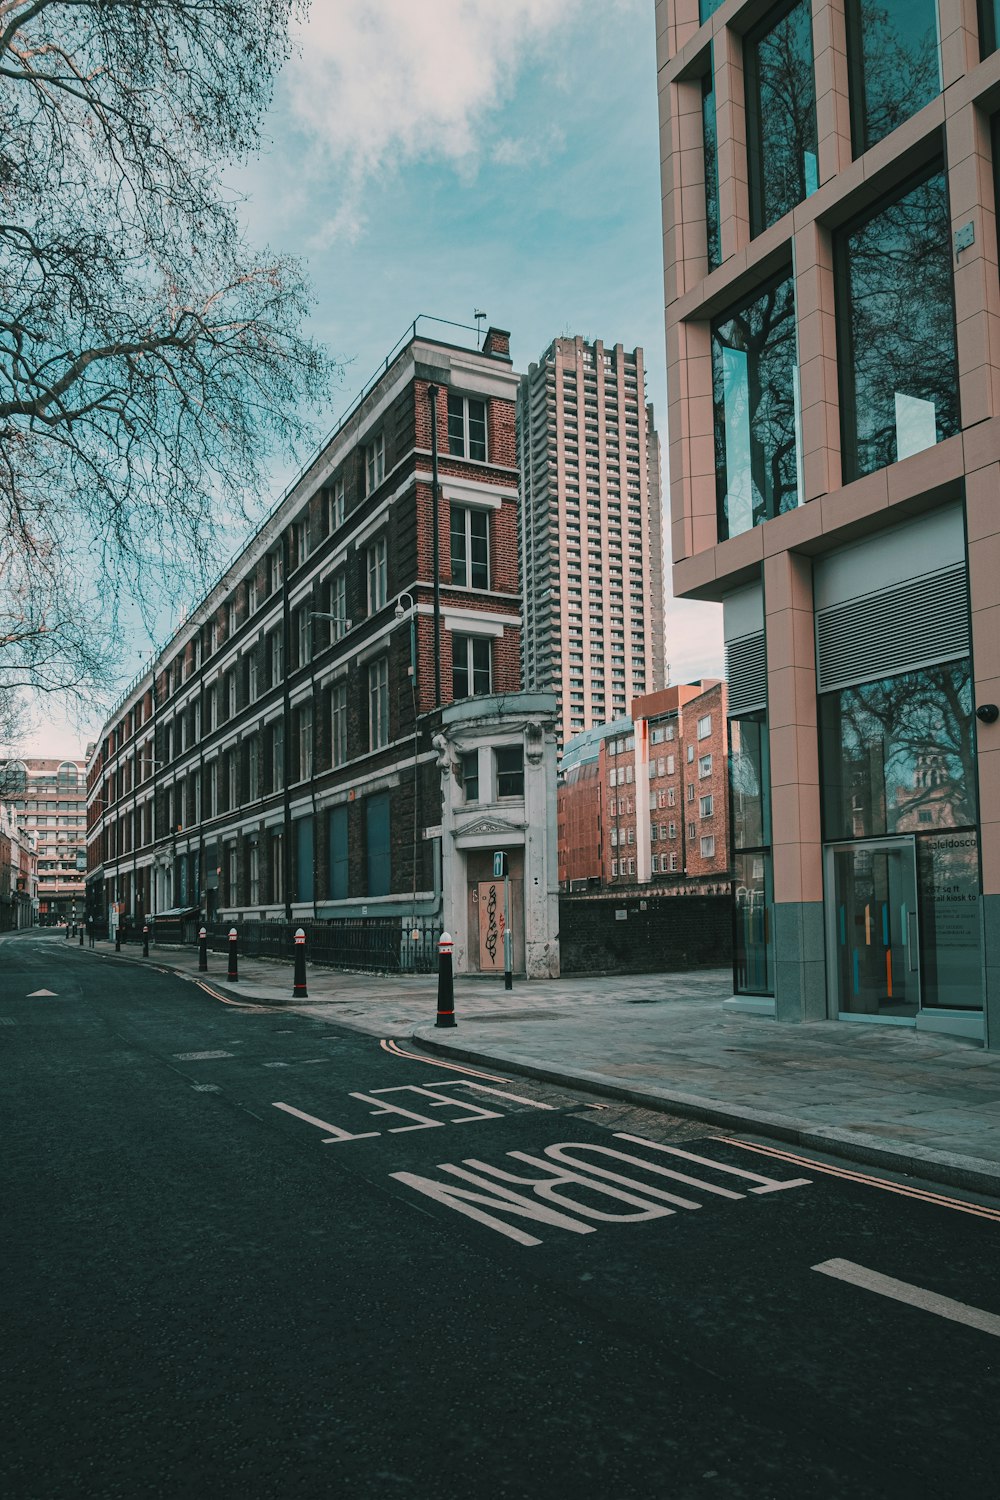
{"x":898,"y":748}
{"x":896,"y":315}
{"x":377,"y":850}
{"x":781,"y":114}
{"x":338,"y":853}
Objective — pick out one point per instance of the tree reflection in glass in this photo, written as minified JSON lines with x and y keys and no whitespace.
{"x":894,"y":54}
{"x":781,"y":115}
{"x":754,"y":390}
{"x":749,"y":775}
{"x":897,"y":324}
{"x":899,"y":754}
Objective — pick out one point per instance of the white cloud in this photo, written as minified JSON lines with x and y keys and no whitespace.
{"x":383,"y":82}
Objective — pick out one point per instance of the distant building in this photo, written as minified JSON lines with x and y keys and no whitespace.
{"x":328,"y":737}
{"x":644,"y":800}
{"x":47,"y":803}
{"x":18,"y":873}
{"x":590,"y":532}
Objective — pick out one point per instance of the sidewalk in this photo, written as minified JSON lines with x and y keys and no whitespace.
{"x":914,"y":1103}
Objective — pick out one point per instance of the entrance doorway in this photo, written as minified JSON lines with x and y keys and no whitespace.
{"x":872,"y":928}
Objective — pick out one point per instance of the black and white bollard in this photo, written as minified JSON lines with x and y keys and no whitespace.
{"x":202,"y":951}
{"x":118,"y":937}
{"x":446,"y":982}
{"x":299,"y":991}
{"x":234,"y":970}
{"x":145,"y":939}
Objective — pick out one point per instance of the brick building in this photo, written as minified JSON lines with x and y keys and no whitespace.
{"x":18,"y":873}
{"x":289,"y":754}
{"x":645,"y":799}
{"x":47,"y":803}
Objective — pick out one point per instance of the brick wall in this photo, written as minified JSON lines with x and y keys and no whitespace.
{"x":660,"y":934}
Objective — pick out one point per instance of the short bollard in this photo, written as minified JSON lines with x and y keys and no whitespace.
{"x":81,"y":935}
{"x":68,"y":932}
{"x":446,"y":982}
{"x":202,"y":951}
{"x":299,"y":991}
{"x":234,"y":971}
{"x":145,"y":939}
{"x":118,"y":937}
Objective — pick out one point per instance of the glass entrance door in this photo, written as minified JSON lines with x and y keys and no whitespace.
{"x":874,"y":939}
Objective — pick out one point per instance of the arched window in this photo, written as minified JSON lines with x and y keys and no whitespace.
{"x":69,"y":776}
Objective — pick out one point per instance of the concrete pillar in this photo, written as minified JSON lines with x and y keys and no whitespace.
{"x":799,"y":945}
{"x":983,"y":529}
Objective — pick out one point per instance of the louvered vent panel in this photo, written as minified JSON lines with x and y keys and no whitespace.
{"x":908,"y":626}
{"x":746,"y":669}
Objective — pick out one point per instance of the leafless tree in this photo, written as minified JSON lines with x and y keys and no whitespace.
{"x":151,"y":363}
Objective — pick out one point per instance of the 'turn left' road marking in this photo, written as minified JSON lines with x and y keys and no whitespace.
{"x":915,"y":1296}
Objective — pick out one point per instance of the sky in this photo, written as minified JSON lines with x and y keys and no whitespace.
{"x":446,"y":156}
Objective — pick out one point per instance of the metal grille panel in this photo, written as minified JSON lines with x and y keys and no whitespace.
{"x":746,"y":669}
{"x":899,"y":629}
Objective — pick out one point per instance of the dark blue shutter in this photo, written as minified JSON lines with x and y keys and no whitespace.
{"x":338,"y":854}
{"x":377,"y":844}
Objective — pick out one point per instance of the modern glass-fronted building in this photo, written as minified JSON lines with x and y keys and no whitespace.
{"x":833,"y":338}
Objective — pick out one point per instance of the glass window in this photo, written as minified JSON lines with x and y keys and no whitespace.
{"x":704,"y":765}
{"x":470,"y":775}
{"x":304,"y":734}
{"x":377,"y":577}
{"x":893,"y":53}
{"x":470,"y":547}
{"x":705,"y":806}
{"x":897,"y":329}
{"x":898,"y":755}
{"x":338,"y":723}
{"x":781,"y":114}
{"x":707,"y":8}
{"x":755,"y":391}
{"x":710,"y":142}
{"x":466,"y":427}
{"x":374,"y":463}
{"x":750,"y":780}
{"x":989,"y":26}
{"x":708,"y":846}
{"x":470,"y":665}
{"x":510,"y":771}
{"x":378,"y":703}
{"x":336,"y":505}
{"x":705,"y":727}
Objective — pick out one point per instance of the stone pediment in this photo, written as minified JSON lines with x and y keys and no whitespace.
{"x":488,"y":827}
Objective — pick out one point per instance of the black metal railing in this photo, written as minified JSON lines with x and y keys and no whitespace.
{"x":374,"y":945}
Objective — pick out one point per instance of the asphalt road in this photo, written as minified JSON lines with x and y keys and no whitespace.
{"x":247,"y":1253}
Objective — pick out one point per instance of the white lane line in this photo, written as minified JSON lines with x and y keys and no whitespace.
{"x":483,"y":1088}
{"x":200,"y":1056}
{"x":915,"y":1296}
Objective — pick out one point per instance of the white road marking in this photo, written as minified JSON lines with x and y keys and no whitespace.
{"x":495,"y":1197}
{"x":484,"y":1088}
{"x":35,"y":994}
{"x":915,"y":1296}
{"x":201,"y":1056}
{"x":768,"y":1184}
{"x":336,"y":1134}
{"x":206,"y":1088}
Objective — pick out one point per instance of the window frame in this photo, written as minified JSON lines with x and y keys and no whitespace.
{"x":471,"y":646}
{"x":374,"y":462}
{"x":378,"y":703}
{"x":465,"y":450}
{"x":377,"y":574}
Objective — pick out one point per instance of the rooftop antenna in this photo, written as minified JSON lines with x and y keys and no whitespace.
{"x":480,"y":318}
